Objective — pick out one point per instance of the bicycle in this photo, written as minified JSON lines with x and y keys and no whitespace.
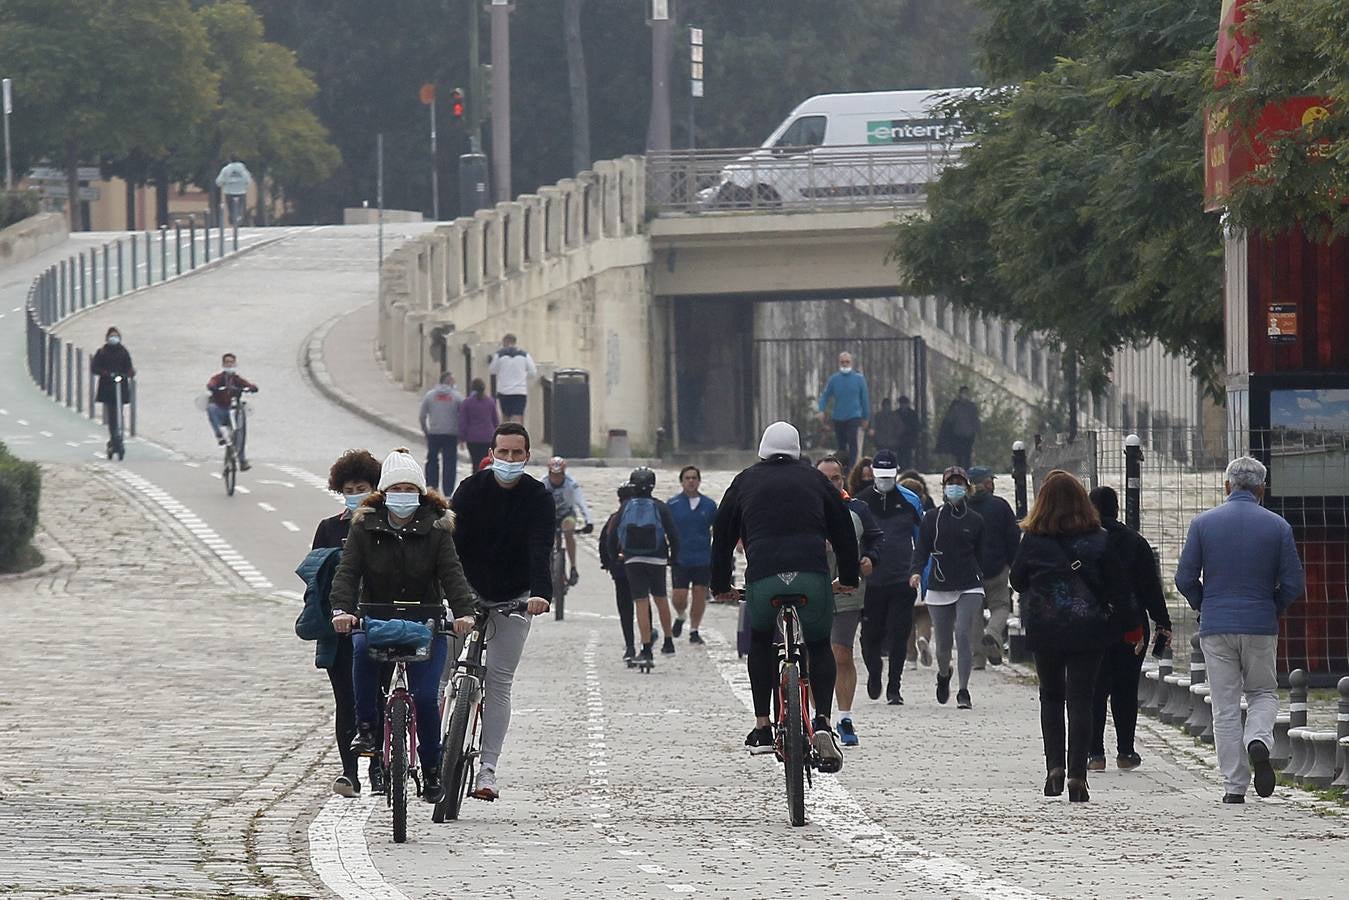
{"x":398,"y":761}
{"x":557,"y":564}
{"x":236,"y":430}
{"x":461,"y":712}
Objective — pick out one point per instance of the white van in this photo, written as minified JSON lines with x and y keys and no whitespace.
{"x":835,"y":148}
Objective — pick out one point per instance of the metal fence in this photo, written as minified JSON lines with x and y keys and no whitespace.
{"x":793,"y":179}
{"x":1308,"y":485}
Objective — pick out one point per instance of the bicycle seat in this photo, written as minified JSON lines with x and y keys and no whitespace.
{"x":792,"y":600}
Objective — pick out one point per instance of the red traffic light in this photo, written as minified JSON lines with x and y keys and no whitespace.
{"x":457,"y":103}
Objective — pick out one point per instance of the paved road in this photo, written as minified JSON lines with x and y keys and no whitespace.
{"x":612,"y":781}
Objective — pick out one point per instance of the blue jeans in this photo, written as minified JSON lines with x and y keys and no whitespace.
{"x":845,"y":434}
{"x":442,"y":456}
{"x":423,"y":681}
{"x":220,"y":418}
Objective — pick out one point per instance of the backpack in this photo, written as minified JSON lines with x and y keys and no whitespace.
{"x":1070,"y":599}
{"x":640,"y":532}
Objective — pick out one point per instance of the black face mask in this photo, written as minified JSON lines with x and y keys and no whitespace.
{"x":868,"y":482}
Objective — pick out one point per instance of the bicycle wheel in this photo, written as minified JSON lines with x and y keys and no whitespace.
{"x":398,"y":768}
{"x":559,"y":582}
{"x":793,"y":749}
{"x":453,"y":755}
{"x":230,"y":471}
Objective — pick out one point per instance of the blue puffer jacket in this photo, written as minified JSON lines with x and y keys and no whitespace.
{"x":315,"y":622}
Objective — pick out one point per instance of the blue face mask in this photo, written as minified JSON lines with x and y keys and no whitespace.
{"x":955,"y":492}
{"x":507,"y":472}
{"x":353,"y":501}
{"x":402,"y":504}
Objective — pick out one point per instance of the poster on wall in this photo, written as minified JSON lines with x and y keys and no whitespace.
{"x":1309,"y":442}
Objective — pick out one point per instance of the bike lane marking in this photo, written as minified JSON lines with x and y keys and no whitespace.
{"x":835,"y":810}
{"x":339,"y":855}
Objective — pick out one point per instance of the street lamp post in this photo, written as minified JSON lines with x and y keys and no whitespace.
{"x":501,"y":97}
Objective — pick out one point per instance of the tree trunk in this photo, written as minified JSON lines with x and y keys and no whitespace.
{"x":130,"y":203}
{"x":580,"y":90}
{"x":263,"y":211}
{"x":161,"y":195}
{"x":73,"y":186}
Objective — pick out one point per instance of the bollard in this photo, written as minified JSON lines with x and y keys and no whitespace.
{"x":135,"y":265}
{"x":93,"y":276}
{"x":236,"y":236}
{"x":79,"y":382}
{"x":1167,"y":712}
{"x":70,"y":378}
{"x":1342,"y":762}
{"x":1198,"y":676}
{"x":1207,"y":734}
{"x":120,"y":286}
{"x":1201,"y":717}
{"x":107,"y":272}
{"x":1321,"y":772}
{"x":1297,"y":760}
{"x":206,"y":240}
{"x":163,"y":253}
{"x":660,"y":442}
{"x":178,"y":246}
{"x":93,"y":395}
{"x":191,"y":243}
{"x":64,"y":295}
{"x":84,"y":294}
{"x":1279,"y":756}
{"x":1158,"y":697}
{"x":1146,"y":674}
{"x":1342,"y":708}
{"x":1019,"y":477}
{"x":1133,"y":480}
{"x":149,"y":258}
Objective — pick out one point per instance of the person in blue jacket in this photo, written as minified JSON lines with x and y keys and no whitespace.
{"x":847,"y":388}
{"x":693,"y":515}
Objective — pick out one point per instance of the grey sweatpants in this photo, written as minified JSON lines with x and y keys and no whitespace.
{"x":505,"y":644}
{"x":955,"y":621}
{"x":998,"y":601}
{"x":1237,"y":663}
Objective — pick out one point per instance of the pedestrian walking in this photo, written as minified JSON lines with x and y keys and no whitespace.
{"x":846,"y":390}
{"x":1002,"y":535}
{"x":111,"y":360}
{"x":1070,"y":585}
{"x":610,"y":563}
{"x":693,"y":514}
{"x":909,"y":433}
{"x":861,"y":477}
{"x":919,"y":648}
{"x":950,"y":540}
{"x":478,"y":421}
{"x":887,"y":617}
{"x":512,"y":368}
{"x":848,"y":606}
{"x":1117,"y":682}
{"x":1240,"y":571}
{"x":884,"y":430}
{"x":439,"y":419}
{"x":959,"y":428}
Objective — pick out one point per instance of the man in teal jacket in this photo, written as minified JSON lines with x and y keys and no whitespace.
{"x":847,"y":388}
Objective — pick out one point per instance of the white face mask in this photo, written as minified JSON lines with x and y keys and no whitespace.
{"x":507,"y":472}
{"x":114,"y":339}
{"x":845,"y":369}
{"x":228,"y":370}
{"x":885,"y":485}
{"x":353,"y":501}
{"x":402,"y":503}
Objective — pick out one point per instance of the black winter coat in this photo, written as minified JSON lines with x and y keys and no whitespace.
{"x":899,"y":520}
{"x":1063,"y":610}
{"x":1001,"y":533}
{"x":505,"y":536}
{"x":953,"y":538}
{"x":110,"y":360}
{"x":1143,"y":581}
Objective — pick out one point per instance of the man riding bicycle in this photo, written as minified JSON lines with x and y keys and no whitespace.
{"x":226,"y":386}
{"x":568,"y":501}
{"x":784,"y":512}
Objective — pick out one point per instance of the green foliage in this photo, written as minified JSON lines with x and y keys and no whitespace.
{"x":20,"y":489}
{"x":15,"y":206}
{"x":1078,"y":211}
{"x":1300,"y":50}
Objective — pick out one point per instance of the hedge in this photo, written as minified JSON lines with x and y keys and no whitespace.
{"x":20,"y":488}
{"x":15,"y":206}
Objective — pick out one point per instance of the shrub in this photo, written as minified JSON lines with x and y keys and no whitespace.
{"x":20,"y":488}
{"x":15,"y":206}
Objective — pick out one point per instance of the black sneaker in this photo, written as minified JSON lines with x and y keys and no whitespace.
{"x":1234,"y":798}
{"x":645,"y":655}
{"x":760,"y":740}
{"x":431,"y":792}
{"x":894,"y":697}
{"x":630,"y":653}
{"x":678,"y":627}
{"x":992,"y":649}
{"x":376,"y":778}
{"x":668,"y":647}
{"x":943,"y":688}
{"x":1261,"y":767}
{"x":364,"y":743}
{"x":963,"y":700}
{"x":574,"y":577}
{"x":696,"y":638}
{"x":874,"y":684}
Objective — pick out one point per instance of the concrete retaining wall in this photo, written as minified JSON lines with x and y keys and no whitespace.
{"x":24,"y":240}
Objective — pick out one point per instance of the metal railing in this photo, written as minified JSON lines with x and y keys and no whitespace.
{"x":793,"y":179}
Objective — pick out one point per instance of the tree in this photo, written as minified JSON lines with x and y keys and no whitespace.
{"x":576,"y":83}
{"x":1077,"y":211}
{"x":1295,"y":50}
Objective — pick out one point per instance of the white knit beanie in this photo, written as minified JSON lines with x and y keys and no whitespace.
{"x":780,"y":439}
{"x":401,"y":466}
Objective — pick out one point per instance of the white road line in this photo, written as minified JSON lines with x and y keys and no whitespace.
{"x":4,"y":412}
{"x":290,"y":526}
{"x":16,"y":309}
{"x":266,"y":507}
{"x":192,"y":465}
{"x":74,"y":444}
{"x":831,"y":806}
{"x":22,"y":421}
{"x":339,"y":855}
{"x":46,"y":434}
{"x":288,"y":484}
{"x":241,"y":489}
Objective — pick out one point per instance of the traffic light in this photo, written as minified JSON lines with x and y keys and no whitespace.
{"x":457,"y":104}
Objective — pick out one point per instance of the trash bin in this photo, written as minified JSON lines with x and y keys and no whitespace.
{"x":571,"y":413}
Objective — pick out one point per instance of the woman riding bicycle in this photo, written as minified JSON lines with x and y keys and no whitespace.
{"x":398,"y":563}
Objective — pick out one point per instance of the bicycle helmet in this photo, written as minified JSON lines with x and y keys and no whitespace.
{"x":626,"y":491}
{"x":643,"y":480}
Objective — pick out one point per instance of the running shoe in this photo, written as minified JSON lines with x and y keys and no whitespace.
{"x":924,"y":651}
{"x":645,"y":655}
{"x":364,"y":743}
{"x":943,"y":688}
{"x":874,"y":683}
{"x":678,"y":627}
{"x":992,"y":649}
{"x":486,"y":786}
{"x":827,"y":746}
{"x":346,"y":787}
{"x":629,"y":653}
{"x":894,"y":697}
{"x":847,"y":733}
{"x":760,"y":740}
{"x":1127,"y":762}
{"x":668,"y":647}
{"x":1095,"y":763}
{"x":696,"y":638}
{"x":963,"y":699}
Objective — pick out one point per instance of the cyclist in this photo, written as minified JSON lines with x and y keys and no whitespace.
{"x":226,"y":386}
{"x":504,"y":534}
{"x":112,"y":359}
{"x":618,"y":572}
{"x":568,"y":501}
{"x":399,"y":561}
{"x":693,"y":514}
{"x":784,"y":512}
{"x":646,"y":540}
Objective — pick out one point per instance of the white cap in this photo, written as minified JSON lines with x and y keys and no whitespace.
{"x":780,"y":439}
{"x":401,"y":467}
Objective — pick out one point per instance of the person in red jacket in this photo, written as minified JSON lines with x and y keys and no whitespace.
{"x":226,"y":386}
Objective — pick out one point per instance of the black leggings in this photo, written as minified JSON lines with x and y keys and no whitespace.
{"x":887,"y":619}
{"x":763,"y":672}
{"x":1117,"y":683}
{"x":344,"y":697}
{"x":476,"y":453}
{"x":623,"y":597}
{"x":1066,"y":679}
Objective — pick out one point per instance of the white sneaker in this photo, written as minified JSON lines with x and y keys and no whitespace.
{"x":485,"y":788}
{"x":924,"y":651}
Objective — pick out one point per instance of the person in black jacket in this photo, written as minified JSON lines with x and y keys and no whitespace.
{"x":1001,"y":538}
{"x":1117,"y":683}
{"x":784,"y":512}
{"x":610,"y":562}
{"x":112,"y":360}
{"x":354,"y":476}
{"x":951,"y":538}
{"x":504,"y":534}
{"x":1070,"y":584}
